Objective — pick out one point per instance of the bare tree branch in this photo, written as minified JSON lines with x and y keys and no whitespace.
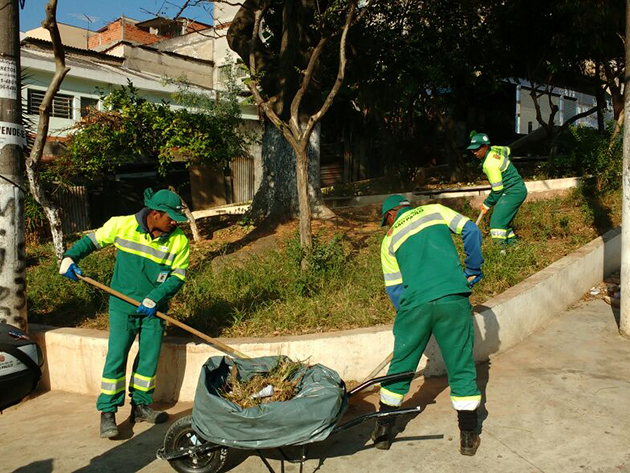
{"x":265,"y":105}
{"x":181,"y":10}
{"x":33,"y":161}
{"x":340,"y":74}
{"x":575,"y":118}
{"x":297,"y":100}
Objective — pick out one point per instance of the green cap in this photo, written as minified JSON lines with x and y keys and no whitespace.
{"x":392,"y":202}
{"x":165,"y":201}
{"x":478,"y":140}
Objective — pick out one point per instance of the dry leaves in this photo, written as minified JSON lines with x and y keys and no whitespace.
{"x":280,"y":380}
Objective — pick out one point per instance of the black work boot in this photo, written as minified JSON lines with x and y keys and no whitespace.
{"x":468,"y":437}
{"x":383,"y":430}
{"x":468,"y":442}
{"x":108,"y":425}
{"x":142,"y":412}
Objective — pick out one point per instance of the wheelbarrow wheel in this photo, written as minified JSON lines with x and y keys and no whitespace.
{"x":181,"y":436}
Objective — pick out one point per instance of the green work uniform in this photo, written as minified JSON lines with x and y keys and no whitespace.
{"x":146,"y":267}
{"x":507,"y":194}
{"x":419,"y":257}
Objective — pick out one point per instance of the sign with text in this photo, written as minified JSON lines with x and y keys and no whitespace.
{"x":12,"y":134}
{"x":8,"y":79}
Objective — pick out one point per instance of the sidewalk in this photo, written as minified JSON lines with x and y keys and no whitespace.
{"x":558,"y":402}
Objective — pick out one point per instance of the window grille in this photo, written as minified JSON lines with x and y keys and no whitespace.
{"x":61,"y":105}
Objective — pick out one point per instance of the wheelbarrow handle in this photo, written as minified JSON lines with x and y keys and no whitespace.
{"x":215,"y":343}
{"x":381,"y":379}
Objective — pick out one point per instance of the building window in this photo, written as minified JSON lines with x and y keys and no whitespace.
{"x":61,"y":106}
{"x":239,"y":71}
{"x":87,"y":104}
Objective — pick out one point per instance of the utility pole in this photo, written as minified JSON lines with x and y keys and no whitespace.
{"x":12,"y":142}
{"x":624,"y":309}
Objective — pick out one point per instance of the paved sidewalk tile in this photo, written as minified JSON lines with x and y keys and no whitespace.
{"x":558,"y":402}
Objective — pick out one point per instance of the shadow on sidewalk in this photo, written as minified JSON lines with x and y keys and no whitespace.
{"x":129,"y":452}
{"x":41,"y":466}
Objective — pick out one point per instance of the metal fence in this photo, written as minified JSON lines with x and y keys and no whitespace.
{"x":75,"y":209}
{"x":242,"y":179}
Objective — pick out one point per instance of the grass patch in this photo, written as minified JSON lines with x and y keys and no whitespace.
{"x":267,"y":294}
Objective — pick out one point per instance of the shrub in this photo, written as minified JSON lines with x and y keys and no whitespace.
{"x":583,"y":151}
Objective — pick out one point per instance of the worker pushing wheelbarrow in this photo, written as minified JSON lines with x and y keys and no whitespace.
{"x":201,"y":442}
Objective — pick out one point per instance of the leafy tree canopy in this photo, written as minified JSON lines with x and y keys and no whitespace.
{"x":132,"y":129}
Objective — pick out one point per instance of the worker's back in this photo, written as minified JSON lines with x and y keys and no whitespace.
{"x":420,"y":241}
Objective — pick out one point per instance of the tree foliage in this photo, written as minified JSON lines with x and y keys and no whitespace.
{"x":133,"y":129}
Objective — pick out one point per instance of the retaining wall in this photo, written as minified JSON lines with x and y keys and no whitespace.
{"x":75,"y":357}
{"x":415,"y":198}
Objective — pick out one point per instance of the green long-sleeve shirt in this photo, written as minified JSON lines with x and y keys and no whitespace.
{"x":418,"y":255}
{"x":146,"y":267}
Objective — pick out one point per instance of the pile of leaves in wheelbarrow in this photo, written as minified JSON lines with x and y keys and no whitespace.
{"x":279,"y":384}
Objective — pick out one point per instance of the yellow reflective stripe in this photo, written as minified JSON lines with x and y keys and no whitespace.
{"x":466,"y":403}
{"x":456,"y":221}
{"x":491,"y":167}
{"x":92,"y":237}
{"x":498,"y":233}
{"x":142,"y":383}
{"x":142,"y":249}
{"x":392,"y":276}
{"x":389,"y":264}
{"x":496,"y":186}
{"x":400,"y":235}
{"x":391,"y":398}
{"x":110,"y":380}
{"x":124,"y":232}
{"x":112,"y":386}
{"x":179,"y":273}
{"x":127,"y":249}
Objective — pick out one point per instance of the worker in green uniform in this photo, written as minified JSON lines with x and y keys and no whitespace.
{"x":508,"y":190}
{"x":427,"y":286}
{"x":151,"y":261}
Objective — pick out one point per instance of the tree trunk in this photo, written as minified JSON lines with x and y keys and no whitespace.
{"x":277,"y":196}
{"x":601,"y":104}
{"x":306,"y":235}
{"x":54,"y":219}
{"x":191,"y":219}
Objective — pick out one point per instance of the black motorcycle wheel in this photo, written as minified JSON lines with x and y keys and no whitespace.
{"x":181,"y":436}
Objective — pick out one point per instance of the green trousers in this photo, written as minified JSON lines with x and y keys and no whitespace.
{"x":504,"y":212}
{"x":449,"y":320}
{"x":123,"y":328}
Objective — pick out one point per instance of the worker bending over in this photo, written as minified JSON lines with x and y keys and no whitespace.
{"x":425,"y":282}
{"x":508,"y":189}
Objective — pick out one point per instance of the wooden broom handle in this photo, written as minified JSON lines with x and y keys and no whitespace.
{"x":215,"y":343}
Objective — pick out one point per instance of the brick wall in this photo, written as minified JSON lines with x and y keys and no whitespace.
{"x":193,"y":26}
{"x":114,"y":32}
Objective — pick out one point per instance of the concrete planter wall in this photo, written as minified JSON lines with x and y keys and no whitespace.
{"x":417,"y":198}
{"x":75,"y":357}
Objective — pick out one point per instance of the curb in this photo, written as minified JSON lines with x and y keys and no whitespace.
{"x":75,"y":357}
{"x":414,"y":197}
{"x":469,"y":191}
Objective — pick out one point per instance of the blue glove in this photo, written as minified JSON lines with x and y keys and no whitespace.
{"x":147,"y":308}
{"x":478,"y":276}
{"x":69,"y":269}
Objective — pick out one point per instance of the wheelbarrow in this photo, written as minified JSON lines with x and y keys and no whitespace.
{"x":201,"y":442}
{"x":192,"y":445}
